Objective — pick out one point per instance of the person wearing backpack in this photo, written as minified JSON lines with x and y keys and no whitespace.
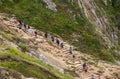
{"x":20,"y":22}
{"x":28,"y":27}
{"x":73,"y":57}
{"x":57,"y":41}
{"x":85,"y":68}
{"x":52,"y":38}
{"x":84,"y":65}
{"x":46,"y":35}
{"x":36,"y":34}
{"x":62,"y":45}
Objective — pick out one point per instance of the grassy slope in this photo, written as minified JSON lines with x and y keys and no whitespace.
{"x":29,"y":66}
{"x":60,"y":23}
{"x":112,"y":11}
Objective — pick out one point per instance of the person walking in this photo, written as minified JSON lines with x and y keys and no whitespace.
{"x":92,"y":77}
{"x":70,"y":50}
{"x":30,"y":32}
{"x":35,"y":34}
{"x":85,"y":67}
{"x":20,"y":25}
{"x":52,"y":38}
{"x":28,"y":27}
{"x":62,"y":45}
{"x":73,"y":57}
{"x":47,"y":35}
{"x":20,"y":22}
{"x":25,"y":27}
{"x":57,"y":41}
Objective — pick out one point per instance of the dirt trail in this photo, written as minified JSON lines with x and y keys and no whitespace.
{"x":59,"y":58}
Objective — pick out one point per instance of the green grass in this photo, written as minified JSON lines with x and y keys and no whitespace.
{"x":23,"y":47}
{"x":7,"y":36}
{"x":36,"y":69}
{"x":26,"y":69}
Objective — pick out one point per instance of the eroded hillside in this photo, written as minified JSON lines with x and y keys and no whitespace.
{"x":90,"y":26}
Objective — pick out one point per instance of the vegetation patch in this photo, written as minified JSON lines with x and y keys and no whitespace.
{"x":28,"y":66}
{"x":23,"y":47}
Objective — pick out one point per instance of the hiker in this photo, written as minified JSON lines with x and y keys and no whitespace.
{"x":20,"y":22}
{"x":92,"y":77}
{"x":70,"y":50}
{"x":25,"y":27}
{"x":52,"y":38}
{"x":20,"y":26}
{"x":62,"y":45}
{"x":84,"y":66}
{"x":28,"y":27}
{"x":20,"y":29}
{"x":47,"y":35}
{"x":73,"y":57}
{"x":36,"y":34}
{"x":30,"y":32}
{"x":57,"y":41}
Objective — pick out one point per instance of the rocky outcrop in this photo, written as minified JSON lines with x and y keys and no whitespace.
{"x":50,"y":5}
{"x":97,"y":16}
{"x":10,"y":74}
{"x":106,"y":2}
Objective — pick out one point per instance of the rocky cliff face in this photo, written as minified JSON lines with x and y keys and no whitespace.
{"x":50,"y":5}
{"x":9,"y":74}
{"x":97,"y":16}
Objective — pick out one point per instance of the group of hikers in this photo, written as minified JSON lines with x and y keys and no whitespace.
{"x":59,"y":43}
{"x":27,"y":28}
{"x":53,"y":39}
